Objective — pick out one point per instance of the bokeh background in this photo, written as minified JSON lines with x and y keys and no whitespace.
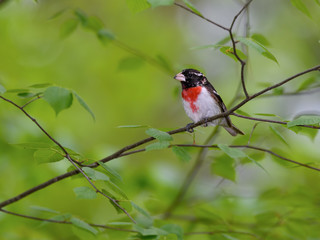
{"x":123,"y":89}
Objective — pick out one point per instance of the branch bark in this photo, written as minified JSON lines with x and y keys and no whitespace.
{"x":122,"y":151}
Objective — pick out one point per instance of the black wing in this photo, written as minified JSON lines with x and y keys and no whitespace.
{"x":218,"y":99}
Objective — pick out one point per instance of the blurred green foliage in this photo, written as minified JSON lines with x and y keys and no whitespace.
{"x":118,"y":59}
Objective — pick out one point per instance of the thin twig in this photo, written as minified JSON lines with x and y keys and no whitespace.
{"x":63,"y":222}
{"x":242,"y":62}
{"x":31,"y":101}
{"x":251,"y":134}
{"x":207,"y":19}
{"x":146,"y":140}
{"x":305,"y":92}
{"x":98,"y":191}
{"x":117,"y":229}
{"x":271,"y":121}
{"x":67,"y":156}
{"x":37,"y":123}
{"x":254,"y":148}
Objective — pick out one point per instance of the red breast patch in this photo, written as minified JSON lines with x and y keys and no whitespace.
{"x":191,"y":95}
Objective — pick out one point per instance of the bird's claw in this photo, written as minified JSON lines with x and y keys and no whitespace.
{"x":189,"y":128}
{"x":206,"y":122}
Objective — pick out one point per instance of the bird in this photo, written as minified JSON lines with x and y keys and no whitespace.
{"x":201,"y":101}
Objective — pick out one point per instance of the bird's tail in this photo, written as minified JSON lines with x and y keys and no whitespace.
{"x":233,"y":130}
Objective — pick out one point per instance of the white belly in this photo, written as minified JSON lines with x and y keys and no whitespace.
{"x":204,"y":107}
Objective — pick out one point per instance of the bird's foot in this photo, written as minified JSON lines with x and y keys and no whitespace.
{"x":189,"y":128}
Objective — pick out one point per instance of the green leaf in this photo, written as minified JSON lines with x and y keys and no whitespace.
{"x":243,"y":113}
{"x":309,"y":132}
{"x":44,"y":209}
{"x":257,"y":155}
{"x":83,"y":225}
{"x":136,"y":6}
{"x":84,"y":104}
{"x":304,"y":120}
{"x":278,"y":91}
{"x":59,"y":98}
{"x":27,"y":94}
{"x":133,"y":126}
{"x":181,"y":153}
{"x":18,"y":90}
{"x":306,"y":84}
{"x":2,"y":89}
{"x":32,"y":145}
{"x":85,"y":193}
{"x":110,"y":172}
{"x":120,"y":224}
{"x":258,"y":47}
{"x":157,"y":145}
{"x":109,"y":194}
{"x":105,"y":36}
{"x":266,"y":114}
{"x":68,"y":27}
{"x":140,"y":210}
{"x":40,"y":85}
{"x":157,"y":3}
{"x":94,"y":23}
{"x":145,"y":232}
{"x":82,"y":16}
{"x":230,"y":53}
{"x":160,"y":135}
{"x":125,"y":204}
{"x":192,"y":7}
{"x":258,"y":164}
{"x":47,"y":156}
{"x":175,"y":229}
{"x":116,"y":189}
{"x":214,"y":46}
{"x":301,"y":7}
{"x":232,"y":152}
{"x":130,"y":63}
{"x":224,"y":167}
{"x":260,"y":39}
{"x":317,"y":1}
{"x":95,"y":175}
{"x":62,"y":217}
{"x":278,"y":135}
{"x":57,"y":14}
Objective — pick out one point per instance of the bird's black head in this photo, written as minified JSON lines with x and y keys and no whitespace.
{"x":191,"y":78}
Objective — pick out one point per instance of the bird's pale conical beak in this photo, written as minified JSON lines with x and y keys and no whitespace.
{"x":180,"y":77}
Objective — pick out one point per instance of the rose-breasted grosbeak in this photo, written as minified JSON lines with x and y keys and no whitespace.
{"x":201,"y":101}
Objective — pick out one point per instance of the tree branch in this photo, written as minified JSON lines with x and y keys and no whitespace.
{"x":254,"y":148}
{"x":271,"y":121}
{"x":122,"y":151}
{"x":119,"y":229}
{"x":242,"y":62}
{"x":204,"y":18}
{"x":63,"y":222}
{"x":67,"y":156}
{"x":229,"y":30}
{"x":31,"y":101}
